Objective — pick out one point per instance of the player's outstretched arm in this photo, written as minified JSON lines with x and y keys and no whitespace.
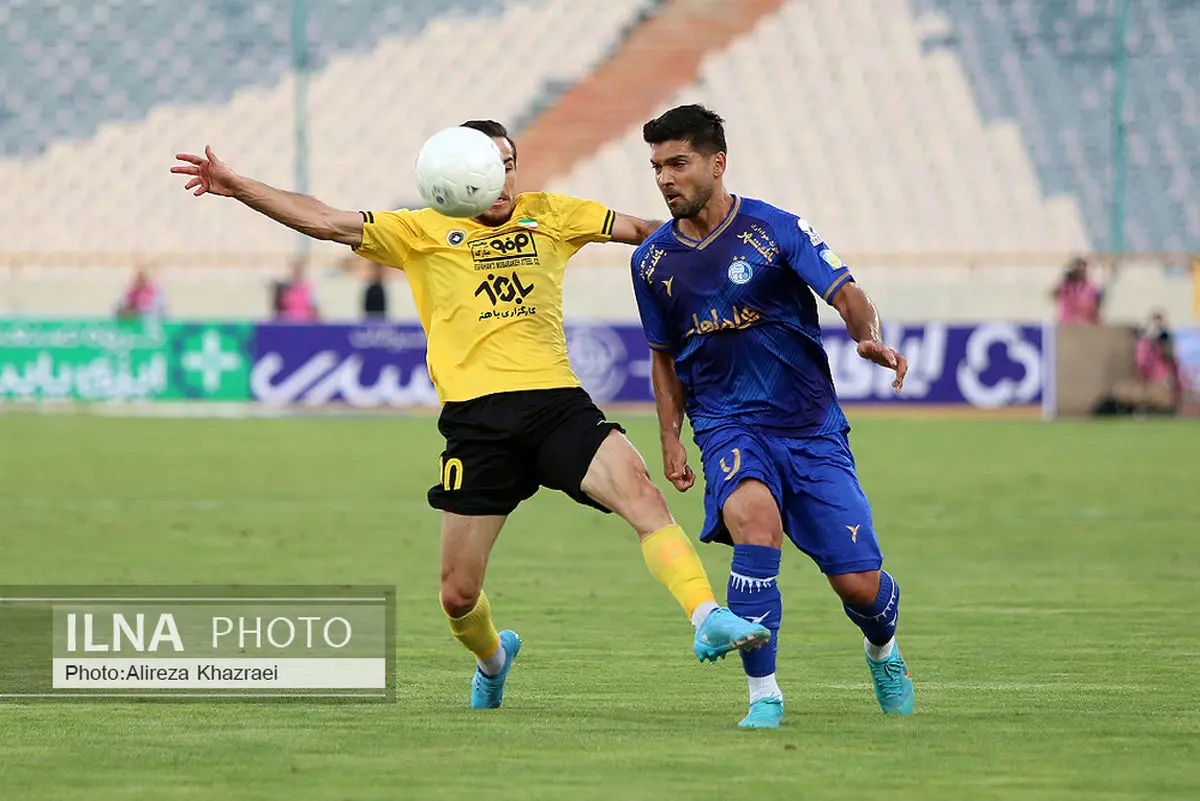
{"x":862,"y":321}
{"x":631,"y":230}
{"x":299,"y":212}
{"x":669,"y":401}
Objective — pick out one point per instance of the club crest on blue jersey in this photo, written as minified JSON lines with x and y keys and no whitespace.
{"x":740,"y":272}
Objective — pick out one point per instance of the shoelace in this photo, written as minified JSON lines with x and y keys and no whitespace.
{"x":892,"y":671}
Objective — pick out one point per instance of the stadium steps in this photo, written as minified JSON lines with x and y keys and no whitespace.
{"x":669,"y":47}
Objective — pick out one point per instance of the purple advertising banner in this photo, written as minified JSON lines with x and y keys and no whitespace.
{"x":987,"y":366}
{"x":364,"y":366}
{"x":1187,"y":351}
{"x":990,"y":365}
{"x":383,"y":365}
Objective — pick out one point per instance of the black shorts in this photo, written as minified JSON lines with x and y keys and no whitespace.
{"x":500,"y":448}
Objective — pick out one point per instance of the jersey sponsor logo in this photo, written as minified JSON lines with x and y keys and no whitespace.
{"x":668,"y":283}
{"x":503,"y":250}
{"x":738,"y":317}
{"x":456,"y":238}
{"x":740,"y":272}
{"x":831,"y":259}
{"x":649,"y":262}
{"x":854,"y":532}
{"x":757,"y":238}
{"x":508,"y":291}
{"x":807,"y":228}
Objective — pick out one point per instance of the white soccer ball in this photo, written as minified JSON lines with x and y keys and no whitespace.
{"x":460,"y":172}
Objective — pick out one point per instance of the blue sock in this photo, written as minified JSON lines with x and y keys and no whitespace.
{"x":878,"y":621}
{"x":754,"y":595}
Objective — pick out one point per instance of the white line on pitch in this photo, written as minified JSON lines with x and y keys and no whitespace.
{"x":997,"y":686}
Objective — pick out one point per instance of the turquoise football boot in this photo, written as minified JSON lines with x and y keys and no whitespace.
{"x":488,"y":691}
{"x":893,"y":684}
{"x":765,"y":713}
{"x":723,"y":631}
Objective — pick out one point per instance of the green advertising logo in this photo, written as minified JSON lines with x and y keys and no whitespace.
{"x":211,"y":362}
{"x":110,"y":360}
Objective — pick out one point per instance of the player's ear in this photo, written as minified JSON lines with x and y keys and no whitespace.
{"x":718,"y":164}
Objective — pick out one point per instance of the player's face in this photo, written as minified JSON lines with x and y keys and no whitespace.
{"x":502,"y":209}
{"x":685,"y":177}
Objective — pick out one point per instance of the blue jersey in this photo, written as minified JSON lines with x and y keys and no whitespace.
{"x":738,"y":313}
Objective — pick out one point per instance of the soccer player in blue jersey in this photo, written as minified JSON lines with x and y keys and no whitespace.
{"x":726,"y":297}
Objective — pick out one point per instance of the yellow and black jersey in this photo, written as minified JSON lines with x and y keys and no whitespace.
{"x":490,"y":299}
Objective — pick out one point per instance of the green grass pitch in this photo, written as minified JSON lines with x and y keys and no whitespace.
{"x":1050,"y":577}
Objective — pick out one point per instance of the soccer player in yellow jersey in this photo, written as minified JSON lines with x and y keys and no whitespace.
{"x":489,"y":294}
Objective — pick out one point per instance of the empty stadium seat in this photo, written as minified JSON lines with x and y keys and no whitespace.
{"x":1057,"y":80}
{"x":182,"y":76}
{"x":834,"y":110}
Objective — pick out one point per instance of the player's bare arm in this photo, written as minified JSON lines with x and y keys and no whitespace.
{"x":862,"y":321}
{"x":631,"y":230}
{"x":299,"y":212}
{"x":669,"y":401}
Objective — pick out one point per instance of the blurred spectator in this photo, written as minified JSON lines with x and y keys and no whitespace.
{"x":375,"y":296}
{"x":143,"y":299}
{"x":1077,"y":296}
{"x":1157,"y":387}
{"x":295,"y":299}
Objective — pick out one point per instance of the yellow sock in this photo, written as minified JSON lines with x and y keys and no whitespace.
{"x":674,"y":562}
{"x":476,"y":631}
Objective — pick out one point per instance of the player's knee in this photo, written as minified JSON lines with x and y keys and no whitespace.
{"x":757,"y":534}
{"x":752,"y":516}
{"x":856,"y":589}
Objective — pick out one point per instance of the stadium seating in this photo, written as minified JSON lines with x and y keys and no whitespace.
{"x":1049,"y":66}
{"x":834,"y":110}
{"x":114,"y":60}
{"x":132,"y":83}
{"x":896,"y":126}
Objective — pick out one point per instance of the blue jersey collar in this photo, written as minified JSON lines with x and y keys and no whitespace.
{"x":716,"y":232}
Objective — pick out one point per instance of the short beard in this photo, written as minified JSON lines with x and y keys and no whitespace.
{"x":495,"y":218}
{"x":694,"y":208}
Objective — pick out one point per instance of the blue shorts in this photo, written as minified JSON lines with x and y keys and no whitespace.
{"x":824,"y":510}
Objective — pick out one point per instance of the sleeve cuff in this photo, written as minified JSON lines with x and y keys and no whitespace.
{"x":841,"y":280}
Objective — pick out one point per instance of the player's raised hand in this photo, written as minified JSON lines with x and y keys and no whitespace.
{"x":875,"y":351}
{"x":209,"y":174}
{"x":675,"y":465}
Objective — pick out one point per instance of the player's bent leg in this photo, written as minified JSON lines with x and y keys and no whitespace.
{"x":467,"y":542}
{"x":832,"y":522}
{"x":751,"y":514}
{"x":871,"y":600}
{"x":617,"y":478}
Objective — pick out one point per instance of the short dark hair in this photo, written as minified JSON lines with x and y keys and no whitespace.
{"x":700,"y":127}
{"x":493,"y":129}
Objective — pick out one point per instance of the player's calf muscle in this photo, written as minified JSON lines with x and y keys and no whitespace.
{"x":459,"y":597}
{"x":462,"y":581}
